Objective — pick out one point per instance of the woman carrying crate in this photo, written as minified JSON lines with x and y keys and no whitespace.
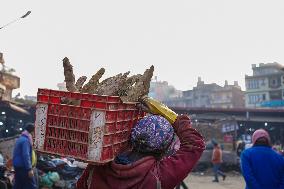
{"x":147,"y":165}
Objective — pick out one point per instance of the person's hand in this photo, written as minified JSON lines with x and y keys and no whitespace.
{"x":31,"y":174}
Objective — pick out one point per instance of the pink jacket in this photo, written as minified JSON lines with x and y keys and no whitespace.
{"x":148,"y":172}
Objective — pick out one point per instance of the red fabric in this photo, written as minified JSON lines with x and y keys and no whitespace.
{"x":217,"y":155}
{"x":145,"y":172}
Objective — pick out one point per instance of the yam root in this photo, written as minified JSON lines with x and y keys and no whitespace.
{"x":129,"y":88}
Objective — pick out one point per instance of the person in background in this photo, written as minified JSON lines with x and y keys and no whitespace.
{"x":2,"y":166}
{"x":262,"y":167}
{"x":22,"y":160}
{"x":240,"y":147}
{"x":217,"y":161}
{"x":2,"y":160}
{"x":146,"y":165}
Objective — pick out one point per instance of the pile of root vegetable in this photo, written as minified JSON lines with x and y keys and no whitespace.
{"x":129,"y":88}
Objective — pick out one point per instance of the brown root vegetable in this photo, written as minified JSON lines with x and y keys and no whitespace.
{"x":69,"y":76}
{"x":93,"y":82}
{"x":112,"y":85}
{"x":129,"y":88}
{"x":140,"y":88}
{"x":80,"y":82}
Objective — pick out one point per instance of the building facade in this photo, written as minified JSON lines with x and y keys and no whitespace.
{"x":265,"y":88}
{"x":210,"y":96}
{"x":8,"y":81}
{"x":200,"y":96}
{"x":13,"y":115}
{"x":62,"y":86}
{"x":229,"y":96}
{"x":162,"y":91}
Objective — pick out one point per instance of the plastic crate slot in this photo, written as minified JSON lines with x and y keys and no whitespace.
{"x":101,"y":98}
{"x":116,"y":148}
{"x":124,"y":136}
{"x":83,"y":125}
{"x":121,"y":115}
{"x":121,"y":106}
{"x":54,"y":100}
{"x":128,"y":125}
{"x":86,"y":104}
{"x":110,"y":128}
{"x":111,"y":116}
{"x":54,"y":93}
{"x":86,"y":114}
{"x":100,"y":105}
{"x":52,"y":120}
{"x":107,"y":140}
{"x":43,"y":92}
{"x":87,"y":96}
{"x":84,"y":137}
{"x":42,"y":98}
{"x":77,"y":96}
{"x":118,"y":126}
{"x":131,"y":106}
{"x":61,"y":122}
{"x":53,"y":109}
{"x":129,"y":114}
{"x":107,"y":153}
{"x":112,"y":106}
{"x":113,"y":99}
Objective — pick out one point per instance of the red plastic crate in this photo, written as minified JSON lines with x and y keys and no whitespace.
{"x":94,"y":130}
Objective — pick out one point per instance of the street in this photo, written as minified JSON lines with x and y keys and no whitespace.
{"x":205,"y":182}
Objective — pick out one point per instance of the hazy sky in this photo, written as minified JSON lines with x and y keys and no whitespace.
{"x":214,"y":39}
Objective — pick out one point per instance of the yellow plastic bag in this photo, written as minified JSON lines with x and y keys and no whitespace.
{"x":157,"y":107}
{"x":34,"y":158}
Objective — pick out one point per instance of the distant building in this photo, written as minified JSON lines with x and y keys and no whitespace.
{"x":162,"y":91}
{"x":200,"y":96}
{"x":62,"y":86}
{"x":265,"y":88}
{"x":211,"y":96}
{"x":229,"y":96}
{"x":8,"y":81}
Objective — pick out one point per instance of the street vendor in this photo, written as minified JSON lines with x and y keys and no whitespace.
{"x":146,"y":165}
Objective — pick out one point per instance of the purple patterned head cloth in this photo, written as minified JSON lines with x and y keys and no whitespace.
{"x":152,"y":134}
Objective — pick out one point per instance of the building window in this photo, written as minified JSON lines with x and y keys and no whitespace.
{"x":262,"y":82}
{"x":263,"y":97}
{"x":274,"y":82}
{"x":256,"y":98}
{"x":253,"y":84}
{"x":275,"y":95}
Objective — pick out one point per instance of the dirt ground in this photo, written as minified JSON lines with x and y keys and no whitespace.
{"x":205,"y":182}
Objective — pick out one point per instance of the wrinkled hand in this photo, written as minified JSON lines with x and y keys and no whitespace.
{"x":31,"y":174}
